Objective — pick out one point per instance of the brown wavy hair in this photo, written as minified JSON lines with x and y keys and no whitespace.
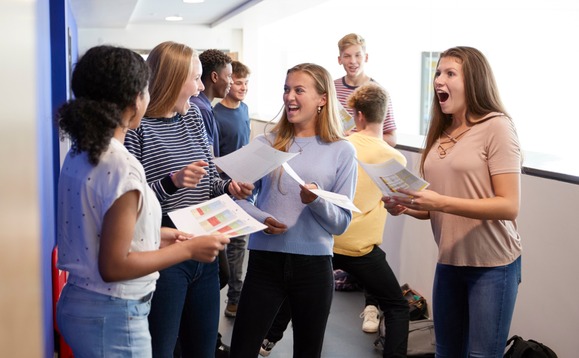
{"x":481,"y":92}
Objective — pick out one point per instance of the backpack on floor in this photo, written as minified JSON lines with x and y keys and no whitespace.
{"x":343,"y":281}
{"x":521,"y":348}
{"x":421,"y":341}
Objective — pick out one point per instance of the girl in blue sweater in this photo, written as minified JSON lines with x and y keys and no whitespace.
{"x":292,"y":259}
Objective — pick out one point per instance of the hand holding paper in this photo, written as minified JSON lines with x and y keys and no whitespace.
{"x":274,"y":227}
{"x":218,"y":215}
{"x":306,"y":193}
{"x":334,"y":198}
{"x":240,"y":190}
{"x":391,"y":176}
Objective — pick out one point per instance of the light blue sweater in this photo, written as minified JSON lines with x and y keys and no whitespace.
{"x":311,"y":227}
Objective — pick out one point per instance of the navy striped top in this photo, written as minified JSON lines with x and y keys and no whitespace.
{"x":166,"y":145}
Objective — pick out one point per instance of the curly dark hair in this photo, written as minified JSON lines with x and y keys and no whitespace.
{"x":106,"y":80}
{"x":213,"y":61}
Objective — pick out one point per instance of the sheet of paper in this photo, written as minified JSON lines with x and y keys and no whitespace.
{"x":252,"y":162}
{"x":347,"y":120}
{"x":292,"y":173}
{"x":218,"y":215}
{"x":391,"y":176}
{"x":338,"y":199}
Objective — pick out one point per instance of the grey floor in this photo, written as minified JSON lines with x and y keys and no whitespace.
{"x":344,"y":335}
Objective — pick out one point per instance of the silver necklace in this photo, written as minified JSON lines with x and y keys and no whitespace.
{"x":301,"y":148}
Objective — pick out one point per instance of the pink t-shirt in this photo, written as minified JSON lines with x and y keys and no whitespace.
{"x":488,"y":149}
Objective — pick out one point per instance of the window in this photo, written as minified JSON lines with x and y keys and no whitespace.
{"x":526,"y":42}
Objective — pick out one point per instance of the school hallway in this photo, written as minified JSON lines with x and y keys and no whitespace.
{"x":344,"y":336}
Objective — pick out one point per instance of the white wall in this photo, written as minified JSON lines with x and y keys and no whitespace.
{"x":526,"y":41}
{"x":546,"y":308}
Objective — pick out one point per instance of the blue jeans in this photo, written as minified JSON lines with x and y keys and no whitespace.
{"x":186,"y":305}
{"x":235,"y":254}
{"x":97,"y":325}
{"x":306,"y":282}
{"x":473,"y":308}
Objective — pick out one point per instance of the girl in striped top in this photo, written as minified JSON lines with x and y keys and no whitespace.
{"x":172,"y":145}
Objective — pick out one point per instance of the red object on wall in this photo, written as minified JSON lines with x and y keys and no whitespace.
{"x":58,"y":282}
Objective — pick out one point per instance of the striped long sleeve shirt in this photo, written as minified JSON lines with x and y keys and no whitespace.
{"x":343,"y":91}
{"x":166,"y":145}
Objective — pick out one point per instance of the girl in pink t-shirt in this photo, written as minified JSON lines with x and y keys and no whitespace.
{"x":472,"y":160}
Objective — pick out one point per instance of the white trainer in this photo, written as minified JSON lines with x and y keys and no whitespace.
{"x":371,"y":316}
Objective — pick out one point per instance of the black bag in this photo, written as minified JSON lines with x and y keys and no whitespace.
{"x":421,"y":341}
{"x":343,"y":281}
{"x":521,"y":348}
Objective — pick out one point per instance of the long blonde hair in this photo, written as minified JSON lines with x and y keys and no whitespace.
{"x":328,"y":123}
{"x":171,"y":64}
{"x":481,"y":95}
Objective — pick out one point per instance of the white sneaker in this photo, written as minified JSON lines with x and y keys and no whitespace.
{"x":371,"y":316}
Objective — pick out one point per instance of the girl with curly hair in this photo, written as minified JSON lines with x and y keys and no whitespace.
{"x":109,"y":220}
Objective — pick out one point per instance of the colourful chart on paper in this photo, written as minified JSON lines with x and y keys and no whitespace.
{"x":231,"y":227}
{"x":218,"y":215}
{"x":243,"y":231}
{"x":217,"y":220}
{"x":210,"y":207}
{"x":391,"y":176}
{"x":402,"y":180}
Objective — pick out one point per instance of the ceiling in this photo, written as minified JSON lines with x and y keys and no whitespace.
{"x":121,"y":13}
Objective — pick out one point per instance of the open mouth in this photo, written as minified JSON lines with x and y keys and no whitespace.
{"x":292,"y":108}
{"x":442,"y":96}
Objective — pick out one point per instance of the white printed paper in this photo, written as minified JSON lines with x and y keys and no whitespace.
{"x":391,"y":176}
{"x":337,"y":199}
{"x":348,"y":122}
{"x":252,"y":162}
{"x":218,"y":215}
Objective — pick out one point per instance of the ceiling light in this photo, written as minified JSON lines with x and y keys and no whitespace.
{"x":193,"y":1}
{"x":174,"y":18}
